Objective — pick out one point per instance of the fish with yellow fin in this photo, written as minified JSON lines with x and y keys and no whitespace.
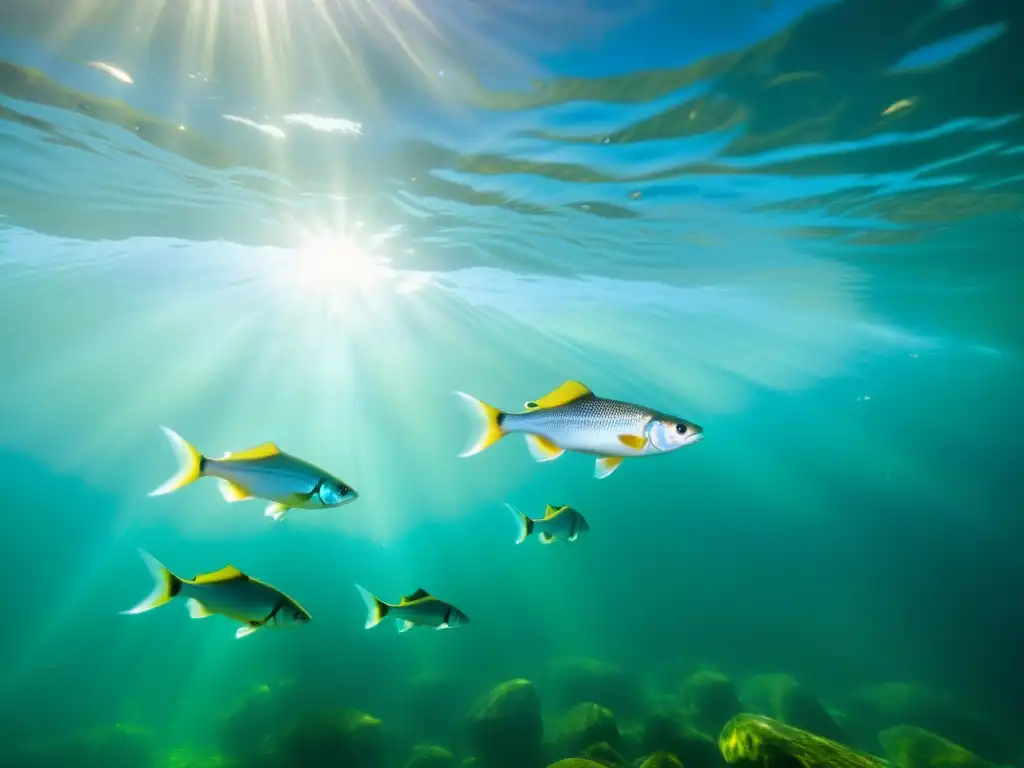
{"x":420,"y":609}
{"x":264,"y":472}
{"x":572,"y":418}
{"x":562,"y":523}
{"x":227,"y":592}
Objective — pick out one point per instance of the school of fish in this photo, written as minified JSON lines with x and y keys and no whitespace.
{"x":569,"y":418}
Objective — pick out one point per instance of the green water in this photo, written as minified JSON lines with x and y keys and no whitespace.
{"x":796,"y":224}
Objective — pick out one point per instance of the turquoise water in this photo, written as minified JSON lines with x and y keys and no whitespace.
{"x":796,"y":224}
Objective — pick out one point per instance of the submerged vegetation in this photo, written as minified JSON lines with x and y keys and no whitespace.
{"x":587,"y":714}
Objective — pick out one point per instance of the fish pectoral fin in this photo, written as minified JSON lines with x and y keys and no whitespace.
{"x":634,"y":442}
{"x":542,"y":449}
{"x":262,"y":451}
{"x":196,"y":609}
{"x":564,"y":393}
{"x":245,"y":631}
{"x":276,"y":510}
{"x":574,"y":537}
{"x":404,"y":626}
{"x":606,"y":465}
{"x":547,"y":538}
{"x":232,"y":492}
{"x":227,"y":573}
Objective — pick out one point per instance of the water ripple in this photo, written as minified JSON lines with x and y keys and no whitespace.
{"x":845,"y":142}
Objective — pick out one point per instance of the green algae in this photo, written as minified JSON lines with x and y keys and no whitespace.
{"x":759,"y":740}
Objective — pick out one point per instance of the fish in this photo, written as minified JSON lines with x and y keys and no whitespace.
{"x":227,"y":592}
{"x":572,"y":418}
{"x":264,"y":472}
{"x":559,"y":523}
{"x":110,"y":69}
{"x":420,"y":609}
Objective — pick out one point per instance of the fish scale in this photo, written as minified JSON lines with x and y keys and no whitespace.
{"x":285,"y":474}
{"x":582,"y":424}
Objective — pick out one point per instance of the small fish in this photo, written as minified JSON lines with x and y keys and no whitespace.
{"x":559,"y":523}
{"x":420,"y":609}
{"x":572,"y":418}
{"x":263,"y":472}
{"x":110,"y":69}
{"x":228,"y":592}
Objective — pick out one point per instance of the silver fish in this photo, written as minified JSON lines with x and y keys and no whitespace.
{"x":559,"y":523}
{"x":264,"y":472}
{"x":227,"y":592}
{"x":572,"y":418}
{"x":420,"y":609}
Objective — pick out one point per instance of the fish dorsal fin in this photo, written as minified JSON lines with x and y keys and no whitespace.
{"x":564,"y":393}
{"x":227,"y":573}
{"x":262,"y":451}
{"x":551,"y":511}
{"x":419,"y":594}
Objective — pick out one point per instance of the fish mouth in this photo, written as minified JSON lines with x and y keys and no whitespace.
{"x":693,"y":440}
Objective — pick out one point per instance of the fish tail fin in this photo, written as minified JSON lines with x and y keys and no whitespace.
{"x":166,"y":587}
{"x":190,"y":464}
{"x":376,"y":609}
{"x":488,"y":424}
{"x":525,"y":523}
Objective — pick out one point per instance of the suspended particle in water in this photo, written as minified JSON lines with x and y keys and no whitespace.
{"x":635,"y":194}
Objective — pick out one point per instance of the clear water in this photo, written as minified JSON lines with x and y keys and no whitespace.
{"x":796,"y":223}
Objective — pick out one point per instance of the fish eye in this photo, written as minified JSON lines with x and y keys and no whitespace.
{"x":681,"y":429}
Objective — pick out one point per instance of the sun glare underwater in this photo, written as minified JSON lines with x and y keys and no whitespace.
{"x":583,"y":384}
